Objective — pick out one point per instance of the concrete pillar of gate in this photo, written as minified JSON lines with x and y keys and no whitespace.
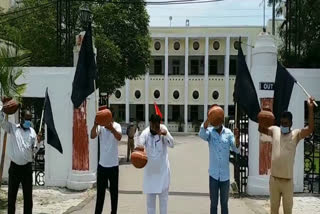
{"x":84,"y":159}
{"x":263,"y":70}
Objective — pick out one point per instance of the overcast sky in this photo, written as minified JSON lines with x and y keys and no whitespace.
{"x":225,"y":13}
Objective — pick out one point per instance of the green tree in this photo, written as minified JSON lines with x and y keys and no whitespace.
{"x":12,"y":59}
{"x":122,"y":41}
{"x":300,"y":33}
{"x":37,"y":31}
{"x":121,"y":37}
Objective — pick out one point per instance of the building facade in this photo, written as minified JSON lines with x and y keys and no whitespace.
{"x":6,"y":4}
{"x":191,"y":68}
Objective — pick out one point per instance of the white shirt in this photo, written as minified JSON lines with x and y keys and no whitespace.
{"x":157,"y":171}
{"x":108,"y":146}
{"x":21,"y":141}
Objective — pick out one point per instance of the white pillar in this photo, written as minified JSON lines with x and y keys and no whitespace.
{"x":206,"y":78}
{"x":186,"y":82}
{"x":146,"y":91}
{"x":263,"y":69}
{"x":127,"y":100}
{"x":226,"y":77}
{"x":166,"y":80}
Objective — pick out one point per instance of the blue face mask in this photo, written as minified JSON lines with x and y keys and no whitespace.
{"x":26,"y":124}
{"x":285,"y":130}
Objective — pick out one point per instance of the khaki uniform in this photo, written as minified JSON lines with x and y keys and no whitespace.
{"x":130,"y":132}
{"x":282,"y":162}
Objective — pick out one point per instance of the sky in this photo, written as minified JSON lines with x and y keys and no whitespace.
{"x":220,"y":13}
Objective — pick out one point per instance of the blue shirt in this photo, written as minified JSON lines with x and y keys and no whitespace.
{"x":219,"y":151}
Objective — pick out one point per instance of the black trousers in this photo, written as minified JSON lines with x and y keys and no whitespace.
{"x":20,"y":174}
{"x":107,"y":176}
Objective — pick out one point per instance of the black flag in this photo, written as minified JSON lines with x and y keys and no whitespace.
{"x":245,"y":94}
{"x":52,"y":136}
{"x":83,"y":82}
{"x":282,"y":91}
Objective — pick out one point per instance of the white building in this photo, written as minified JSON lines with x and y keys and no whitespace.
{"x":191,"y":68}
{"x":6,"y":4}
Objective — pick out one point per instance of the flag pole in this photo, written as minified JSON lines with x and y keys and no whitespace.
{"x":95,"y":96}
{"x":236,"y":115}
{"x":41,"y":120}
{"x":305,"y":91}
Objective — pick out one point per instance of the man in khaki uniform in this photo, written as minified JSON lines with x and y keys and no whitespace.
{"x":131,"y":131}
{"x":284,"y":143}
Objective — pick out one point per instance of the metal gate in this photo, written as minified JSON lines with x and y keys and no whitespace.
{"x":312,"y":156}
{"x":35,"y":105}
{"x":240,"y":161}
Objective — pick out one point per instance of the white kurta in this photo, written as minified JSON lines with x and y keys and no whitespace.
{"x":157,"y":171}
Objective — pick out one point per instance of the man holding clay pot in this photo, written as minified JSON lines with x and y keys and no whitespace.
{"x":284,"y":144}
{"x":220,"y":139}
{"x":156,"y":180}
{"x":108,"y":168}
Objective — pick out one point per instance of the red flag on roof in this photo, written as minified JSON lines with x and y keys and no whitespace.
{"x":157,"y":109}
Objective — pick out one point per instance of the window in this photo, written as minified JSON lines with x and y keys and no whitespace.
{"x":176,"y":94}
{"x":175,"y":112}
{"x":195,"y":95}
{"x":194,"y":67}
{"x":175,"y":67}
{"x":137,"y":94}
{"x":194,"y":113}
{"x":157,"y":45}
{"x":216,"y":45}
{"x":156,"y":94}
{"x":215,"y":95}
{"x":176,"y":46}
{"x":118,"y":94}
{"x":196,"y":46}
{"x":122,"y":112}
{"x":157,"y":66}
{"x":140,"y":112}
{"x":236,"y":45}
{"x":233,"y":67}
{"x":213,"y":67}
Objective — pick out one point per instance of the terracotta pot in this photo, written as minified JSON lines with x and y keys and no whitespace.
{"x":139,"y":159}
{"x":216,"y":115}
{"x":5,"y":99}
{"x":104,"y":117}
{"x":141,"y":149}
{"x":266,"y":118}
{"x":10,"y":106}
{"x":102,"y":108}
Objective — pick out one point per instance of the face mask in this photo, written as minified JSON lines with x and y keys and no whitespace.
{"x":26,"y":124}
{"x":153,"y":132}
{"x":285,"y":130}
{"x":217,"y":127}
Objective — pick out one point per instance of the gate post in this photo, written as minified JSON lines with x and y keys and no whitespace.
{"x":263,"y":70}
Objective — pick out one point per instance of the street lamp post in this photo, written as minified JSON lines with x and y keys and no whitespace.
{"x":85,"y":16}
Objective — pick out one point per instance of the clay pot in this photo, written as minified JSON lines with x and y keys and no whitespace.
{"x":216,"y":115}
{"x":102,"y":108}
{"x":5,"y":99}
{"x":104,"y":117}
{"x":266,"y":118}
{"x":141,"y":149}
{"x":139,"y":159}
{"x":10,"y":106}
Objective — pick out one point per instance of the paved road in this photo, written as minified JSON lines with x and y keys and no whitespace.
{"x":188,"y":189}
